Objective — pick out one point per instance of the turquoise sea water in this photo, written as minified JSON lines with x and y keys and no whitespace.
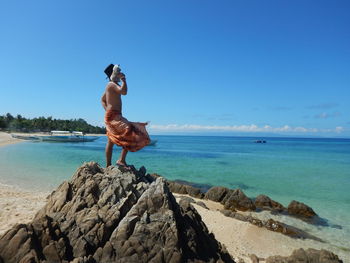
{"x":313,"y":171}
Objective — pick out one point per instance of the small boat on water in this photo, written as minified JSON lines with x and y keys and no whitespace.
{"x":66,"y":136}
{"x":25,"y":137}
{"x":260,"y":141}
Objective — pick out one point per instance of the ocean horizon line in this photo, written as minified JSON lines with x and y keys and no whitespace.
{"x":252,"y":136}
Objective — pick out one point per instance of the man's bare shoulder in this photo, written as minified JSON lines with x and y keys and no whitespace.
{"x":110,"y":86}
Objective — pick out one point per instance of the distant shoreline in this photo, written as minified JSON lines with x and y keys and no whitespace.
{"x":262,"y":136}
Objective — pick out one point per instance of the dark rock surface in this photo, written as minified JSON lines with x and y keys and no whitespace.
{"x":105,"y":215}
{"x":180,"y":188}
{"x":202,"y":187}
{"x":231,"y":199}
{"x":235,"y":199}
{"x":301,"y":210}
{"x":216,"y":193}
{"x":306,"y":256}
{"x":266,"y":203}
{"x":188,"y":199}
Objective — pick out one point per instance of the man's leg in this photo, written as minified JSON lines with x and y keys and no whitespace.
{"x":122,"y":157}
{"x":109,"y":150}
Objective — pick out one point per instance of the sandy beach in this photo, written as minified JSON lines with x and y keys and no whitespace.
{"x":243,"y":239}
{"x":6,"y":138}
{"x":18,"y":206}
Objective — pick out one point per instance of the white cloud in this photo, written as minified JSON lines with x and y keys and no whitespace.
{"x":339,"y":129}
{"x":239,"y":128}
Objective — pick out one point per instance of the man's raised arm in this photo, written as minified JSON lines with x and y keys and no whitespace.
{"x":123,"y":89}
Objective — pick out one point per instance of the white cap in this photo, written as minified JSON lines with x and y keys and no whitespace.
{"x":116,"y":68}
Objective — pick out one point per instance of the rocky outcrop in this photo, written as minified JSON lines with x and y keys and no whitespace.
{"x":216,"y":193}
{"x":106,"y":215}
{"x":235,"y":199}
{"x":231,"y":199}
{"x":179,"y":188}
{"x":301,"y":210}
{"x":266,"y":203}
{"x":309,"y":255}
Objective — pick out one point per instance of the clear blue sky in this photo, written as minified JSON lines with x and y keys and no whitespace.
{"x":200,"y":66}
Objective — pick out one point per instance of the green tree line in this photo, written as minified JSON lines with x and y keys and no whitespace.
{"x":42,"y":124}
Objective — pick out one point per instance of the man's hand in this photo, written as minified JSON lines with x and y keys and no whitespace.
{"x":121,"y":76}
{"x":124,"y":87}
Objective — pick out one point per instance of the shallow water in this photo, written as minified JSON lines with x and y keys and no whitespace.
{"x":313,"y":171}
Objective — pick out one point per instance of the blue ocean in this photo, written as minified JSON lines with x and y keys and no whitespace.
{"x":312,"y":171}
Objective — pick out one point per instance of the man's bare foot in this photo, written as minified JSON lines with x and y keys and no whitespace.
{"x":122,"y":165}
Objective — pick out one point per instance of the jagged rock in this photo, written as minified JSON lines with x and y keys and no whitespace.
{"x":231,"y":199}
{"x":266,"y":203}
{"x":236,"y":199}
{"x":155,"y":175}
{"x":106,"y":215}
{"x":182,"y":187}
{"x":216,"y":193}
{"x":188,"y":199}
{"x":285,"y":229}
{"x":202,"y":204}
{"x":309,"y":255}
{"x":179,"y":188}
{"x":255,"y":221}
{"x":300,"y":210}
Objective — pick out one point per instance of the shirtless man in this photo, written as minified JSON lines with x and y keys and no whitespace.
{"x":111,"y":100}
{"x":131,"y":136}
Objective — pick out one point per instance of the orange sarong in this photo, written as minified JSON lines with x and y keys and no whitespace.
{"x":132,"y":136}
